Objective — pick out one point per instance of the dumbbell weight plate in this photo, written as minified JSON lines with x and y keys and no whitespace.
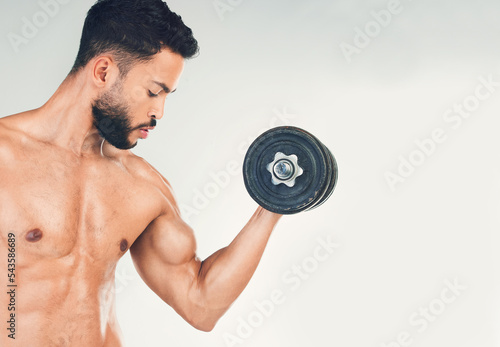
{"x":332,"y":164}
{"x":308,"y":188}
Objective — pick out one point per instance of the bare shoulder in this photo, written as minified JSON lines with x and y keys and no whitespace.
{"x":140,"y":167}
{"x":15,"y":121}
{"x":8,"y":123}
{"x":13,"y":125}
{"x":167,"y":236}
{"x":11,"y":136}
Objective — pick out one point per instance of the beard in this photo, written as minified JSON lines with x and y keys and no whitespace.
{"x":112,"y":119}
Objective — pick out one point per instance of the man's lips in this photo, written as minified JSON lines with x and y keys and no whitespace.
{"x":145,"y":131}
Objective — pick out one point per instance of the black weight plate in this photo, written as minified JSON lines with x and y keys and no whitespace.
{"x":309,"y":187}
{"x":332,"y":163}
{"x":330,"y":177}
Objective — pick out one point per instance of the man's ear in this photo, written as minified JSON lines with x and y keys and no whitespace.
{"x":104,"y":71}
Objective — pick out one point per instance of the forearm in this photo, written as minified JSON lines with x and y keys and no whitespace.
{"x":225,"y":274}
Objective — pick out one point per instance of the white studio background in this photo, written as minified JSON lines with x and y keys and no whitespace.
{"x":404,"y":93}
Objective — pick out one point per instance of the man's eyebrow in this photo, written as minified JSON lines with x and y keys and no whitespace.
{"x":164,"y":87}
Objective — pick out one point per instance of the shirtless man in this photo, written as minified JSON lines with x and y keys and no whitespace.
{"x":74,"y":198}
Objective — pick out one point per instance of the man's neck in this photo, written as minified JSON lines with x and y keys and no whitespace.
{"x":66,"y":118}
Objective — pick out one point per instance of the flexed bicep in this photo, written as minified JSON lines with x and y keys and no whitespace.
{"x":165,"y":258}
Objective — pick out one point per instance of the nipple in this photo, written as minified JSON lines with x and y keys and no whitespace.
{"x":34,"y":235}
{"x":123,"y":245}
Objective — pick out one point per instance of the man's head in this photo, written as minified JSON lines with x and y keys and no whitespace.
{"x":134,"y":31}
{"x":135,"y":50}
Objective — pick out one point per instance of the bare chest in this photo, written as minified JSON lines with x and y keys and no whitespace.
{"x":56,"y":208}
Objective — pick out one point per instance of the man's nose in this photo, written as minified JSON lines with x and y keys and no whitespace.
{"x":157,"y":113}
{"x":159,"y":108}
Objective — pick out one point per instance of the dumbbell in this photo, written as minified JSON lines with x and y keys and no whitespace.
{"x":287,"y":170}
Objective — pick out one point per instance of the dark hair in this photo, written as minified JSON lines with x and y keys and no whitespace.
{"x":133,"y":31}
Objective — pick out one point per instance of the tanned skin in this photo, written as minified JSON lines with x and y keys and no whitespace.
{"x":76,"y":205}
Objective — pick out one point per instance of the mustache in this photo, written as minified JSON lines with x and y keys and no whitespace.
{"x":150,"y":124}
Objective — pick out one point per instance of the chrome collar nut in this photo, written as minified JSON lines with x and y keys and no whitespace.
{"x":284,"y":169}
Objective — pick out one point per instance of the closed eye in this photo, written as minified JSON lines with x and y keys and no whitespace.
{"x":151,"y":94}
